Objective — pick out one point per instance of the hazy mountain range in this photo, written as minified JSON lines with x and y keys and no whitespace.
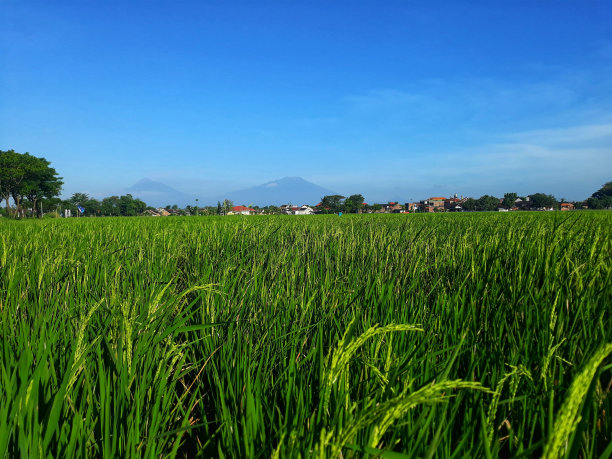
{"x":287,"y":190}
{"x":158,"y":194}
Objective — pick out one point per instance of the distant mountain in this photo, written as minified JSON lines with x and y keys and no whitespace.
{"x":288,"y":190}
{"x":157,"y":194}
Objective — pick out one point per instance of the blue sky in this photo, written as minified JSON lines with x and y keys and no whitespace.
{"x":394,"y":100}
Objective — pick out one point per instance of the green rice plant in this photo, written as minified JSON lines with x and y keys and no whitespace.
{"x":339,"y":360}
{"x":569,"y":417}
{"x":273,"y":335}
{"x":82,"y":348}
{"x":514,"y":376}
{"x":381,"y":417}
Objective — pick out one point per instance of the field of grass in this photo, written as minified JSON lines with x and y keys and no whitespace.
{"x":460,"y":335}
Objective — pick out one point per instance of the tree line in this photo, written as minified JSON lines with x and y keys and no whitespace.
{"x":337,"y":203}
{"x":602,"y":198}
{"x":112,"y":206}
{"x":130,"y":206}
{"x":28,"y":180}
{"x":488,"y":203}
{"x":34,"y":187}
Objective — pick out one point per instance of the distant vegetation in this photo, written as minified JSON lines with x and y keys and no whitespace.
{"x":28,"y":181}
{"x":602,"y":198}
{"x":33,"y":186}
{"x":129,"y":206}
{"x":451,"y":335}
{"x":125,"y":206}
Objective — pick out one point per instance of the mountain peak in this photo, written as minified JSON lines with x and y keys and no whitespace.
{"x":294,"y":190}
{"x":158,"y":194}
{"x":146,"y":184}
{"x":144,"y":181}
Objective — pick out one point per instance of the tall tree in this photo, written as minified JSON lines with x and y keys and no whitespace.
{"x":11,"y":175}
{"x":541,"y":200}
{"x":469,"y":204}
{"x":354,"y":203}
{"x":129,"y":206}
{"x":602,"y":198}
{"x":509,"y":200}
{"x":333,"y":203}
{"x":41,"y":182}
{"x":110,"y":206}
{"x":78,"y":198}
{"x":27,"y":176}
{"x":487,"y":202}
{"x":227,"y":206}
{"x":604,"y":191}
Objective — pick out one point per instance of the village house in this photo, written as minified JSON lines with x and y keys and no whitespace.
{"x":412,"y":206}
{"x":304,"y":210}
{"x":160,"y":212}
{"x":453,"y":204}
{"x":567,"y":206}
{"x":522,"y":204}
{"x":241,"y":210}
{"x":437,"y":202}
{"x":290,"y":209}
{"x":393,"y":207}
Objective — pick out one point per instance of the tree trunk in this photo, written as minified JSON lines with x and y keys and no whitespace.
{"x":8,"y":207}
{"x":35,"y":210}
{"x":17,"y":200}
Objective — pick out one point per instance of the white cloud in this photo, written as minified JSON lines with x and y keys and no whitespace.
{"x":569,"y":162}
{"x":540,"y":97}
{"x":570,"y":134}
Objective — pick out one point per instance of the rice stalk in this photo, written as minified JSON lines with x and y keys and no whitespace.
{"x":568,"y":417}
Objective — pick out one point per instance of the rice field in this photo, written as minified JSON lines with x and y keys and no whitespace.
{"x":465,"y":335}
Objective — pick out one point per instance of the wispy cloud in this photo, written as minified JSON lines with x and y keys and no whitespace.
{"x":570,"y":162}
{"x":542,"y":96}
{"x":571,"y":134}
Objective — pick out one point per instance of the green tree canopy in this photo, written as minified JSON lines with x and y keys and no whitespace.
{"x":78,"y":198}
{"x":509,"y":200}
{"x":227,"y":205}
{"x":332,"y":203}
{"x":110,"y":206}
{"x":24,"y":176}
{"x":469,"y":204}
{"x":541,"y":200}
{"x":487,"y":202}
{"x":126,"y":206}
{"x":353,"y":203}
{"x":602,"y":198}
{"x":604,"y":191}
